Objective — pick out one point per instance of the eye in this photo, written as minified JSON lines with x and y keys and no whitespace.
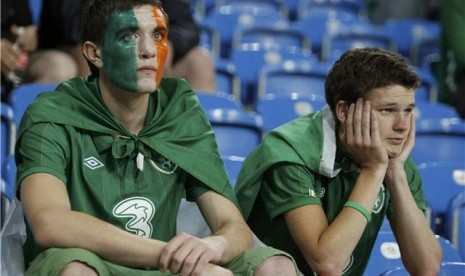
{"x":386,"y":111}
{"x":130,"y":36}
{"x":408,"y":111}
{"x":159,"y":35}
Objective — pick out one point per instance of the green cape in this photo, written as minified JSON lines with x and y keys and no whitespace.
{"x":308,"y":141}
{"x":180,"y":130}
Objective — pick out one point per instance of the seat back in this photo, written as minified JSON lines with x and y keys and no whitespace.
{"x":442,"y":181}
{"x":456,"y":222}
{"x":406,"y":31}
{"x":250,"y":58}
{"x":305,"y":77}
{"x":279,"y":109}
{"x":23,"y":95}
{"x":226,"y":18}
{"x":269,"y":36}
{"x":8,"y":131}
{"x":237,"y":131}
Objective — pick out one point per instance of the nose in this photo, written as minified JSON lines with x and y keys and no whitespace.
{"x":402,"y":122}
{"x":147,"y":48}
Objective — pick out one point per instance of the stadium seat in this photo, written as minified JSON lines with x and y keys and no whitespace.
{"x":226,"y":18}
{"x":386,"y":256}
{"x":306,"y":77}
{"x":8,"y":131}
{"x":227,"y":79}
{"x":279,"y":109}
{"x":20,"y":97}
{"x":352,"y":36}
{"x":357,"y":7}
{"x":9,"y":175}
{"x":237,"y":131}
{"x":439,"y":140}
{"x":233,"y":166}
{"x":447,"y":269}
{"x":250,"y":58}
{"x":407,"y":31}
{"x":442,"y":181}
{"x":269,"y":36}
{"x":425,"y":110}
{"x":456,"y":222}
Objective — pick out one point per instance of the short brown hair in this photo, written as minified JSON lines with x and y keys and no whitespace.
{"x":359,"y":71}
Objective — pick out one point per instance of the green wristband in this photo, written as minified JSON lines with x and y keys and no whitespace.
{"x":360,"y":208}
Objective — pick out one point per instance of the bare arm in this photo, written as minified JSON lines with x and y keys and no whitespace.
{"x":54,"y":224}
{"x":421,"y":252}
{"x":328,"y":247}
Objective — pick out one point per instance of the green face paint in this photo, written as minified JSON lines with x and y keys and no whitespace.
{"x":119,"y":52}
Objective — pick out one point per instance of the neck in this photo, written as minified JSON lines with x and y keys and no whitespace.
{"x":129,"y":107}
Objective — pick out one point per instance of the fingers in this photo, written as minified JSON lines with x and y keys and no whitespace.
{"x":185,"y":255}
{"x":358,"y":126}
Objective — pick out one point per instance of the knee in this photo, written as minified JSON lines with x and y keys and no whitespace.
{"x":77,"y":269}
{"x":277,"y":265}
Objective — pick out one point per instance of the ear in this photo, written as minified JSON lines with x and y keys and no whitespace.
{"x":342,"y":108}
{"x":92,"y":53}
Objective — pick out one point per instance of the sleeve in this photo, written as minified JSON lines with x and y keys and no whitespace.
{"x":43,"y":148}
{"x":287,"y":186}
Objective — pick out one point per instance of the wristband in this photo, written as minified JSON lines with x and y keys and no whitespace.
{"x":360,"y":208}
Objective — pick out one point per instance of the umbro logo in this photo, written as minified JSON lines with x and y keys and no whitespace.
{"x":92,"y":163}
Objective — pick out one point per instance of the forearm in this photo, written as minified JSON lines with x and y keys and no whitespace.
{"x":421,"y":252}
{"x":231,"y":239}
{"x":337,"y":241}
{"x":74,"y":229}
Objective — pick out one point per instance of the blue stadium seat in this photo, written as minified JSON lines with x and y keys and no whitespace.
{"x":447,"y":269}
{"x":279,"y":109}
{"x":269,"y":36}
{"x":8,"y":131}
{"x":226,"y":18}
{"x":386,"y":254}
{"x":305,"y":77}
{"x":250,"y":58}
{"x":317,"y":22}
{"x":442,"y":181}
{"x":456,"y":220}
{"x":407,"y":31}
{"x":237,"y":131}
{"x":357,"y":7}
{"x":226,"y":78}
{"x":352,"y":36}
{"x":425,"y":110}
{"x":8,"y":171}
{"x":233,"y":166}
{"x":20,"y":97}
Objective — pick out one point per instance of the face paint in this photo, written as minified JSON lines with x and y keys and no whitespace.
{"x":134,"y":48}
{"x":162,"y":45}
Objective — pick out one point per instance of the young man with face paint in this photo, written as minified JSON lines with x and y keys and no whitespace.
{"x":103,"y":164}
{"x":319,"y":187}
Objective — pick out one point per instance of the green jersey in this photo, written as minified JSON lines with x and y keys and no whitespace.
{"x":298,"y":164}
{"x":134,"y":182}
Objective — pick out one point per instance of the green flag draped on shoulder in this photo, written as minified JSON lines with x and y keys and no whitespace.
{"x":180,"y":128}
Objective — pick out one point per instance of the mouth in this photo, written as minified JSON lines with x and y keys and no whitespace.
{"x":395,"y":141}
{"x":147,"y":69}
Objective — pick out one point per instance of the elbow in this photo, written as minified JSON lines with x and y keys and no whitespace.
{"x":44,"y":237}
{"x":328,"y":267}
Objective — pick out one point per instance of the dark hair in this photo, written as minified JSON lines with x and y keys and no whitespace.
{"x":97,"y":14}
{"x":359,"y":71}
